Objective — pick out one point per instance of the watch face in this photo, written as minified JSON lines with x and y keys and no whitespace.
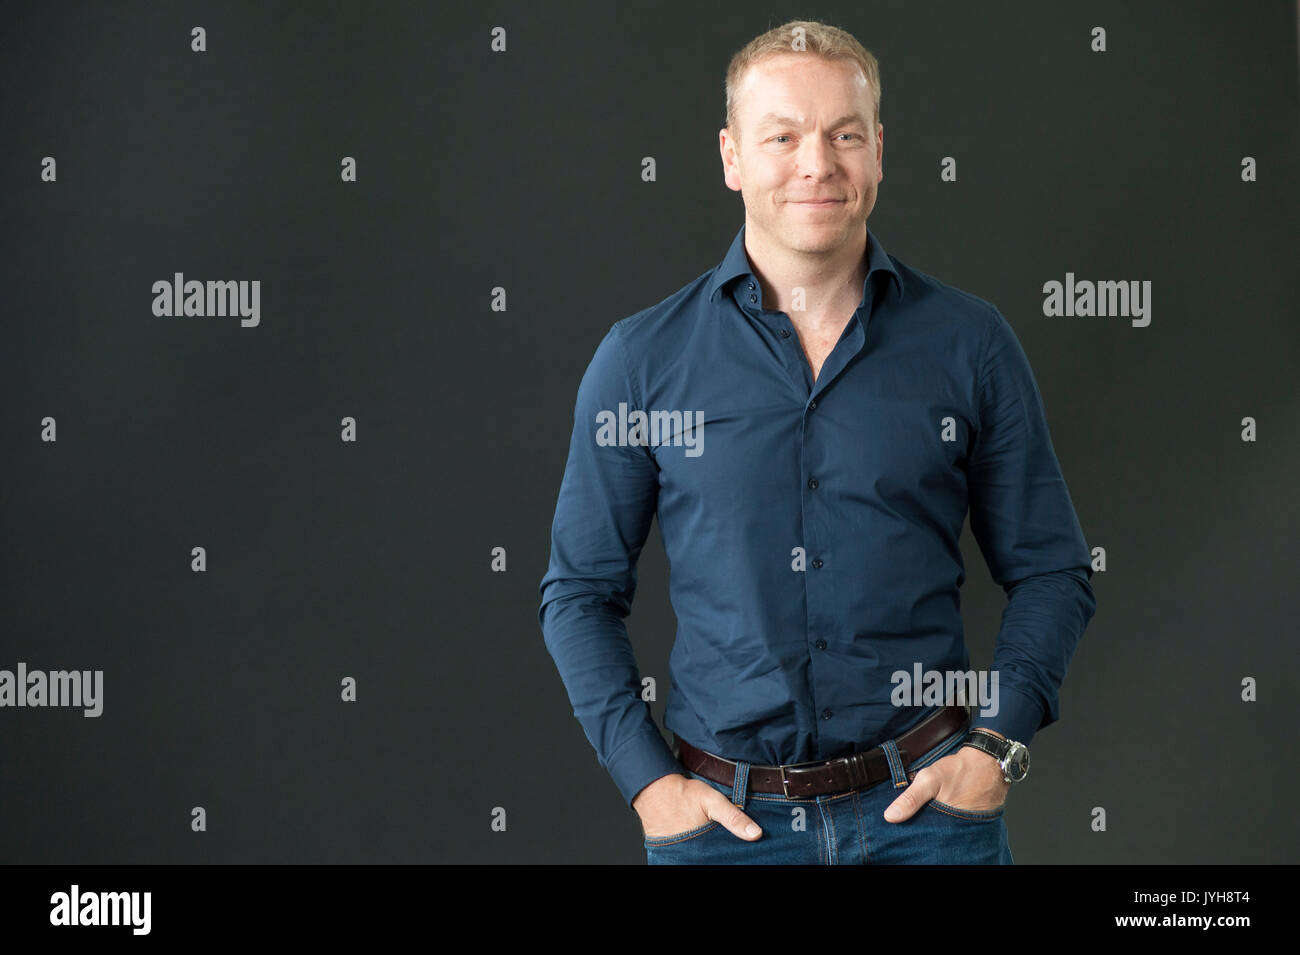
{"x":1018,"y":762}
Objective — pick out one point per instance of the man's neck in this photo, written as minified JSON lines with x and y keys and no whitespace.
{"x":832,"y":285}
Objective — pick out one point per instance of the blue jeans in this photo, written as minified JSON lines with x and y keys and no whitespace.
{"x":842,"y":829}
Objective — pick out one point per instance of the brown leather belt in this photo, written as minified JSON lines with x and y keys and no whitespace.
{"x":829,"y":776}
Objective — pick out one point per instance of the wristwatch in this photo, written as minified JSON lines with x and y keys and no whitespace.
{"x":1013,"y":757}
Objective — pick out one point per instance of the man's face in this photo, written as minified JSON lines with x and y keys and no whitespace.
{"x":805,"y":133}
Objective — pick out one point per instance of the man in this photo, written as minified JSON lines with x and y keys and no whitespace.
{"x":811,"y":420}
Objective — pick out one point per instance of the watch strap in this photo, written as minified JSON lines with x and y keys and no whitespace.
{"x":995,"y":746}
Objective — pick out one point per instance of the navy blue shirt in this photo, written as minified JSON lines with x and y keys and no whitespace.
{"x":811,"y":529}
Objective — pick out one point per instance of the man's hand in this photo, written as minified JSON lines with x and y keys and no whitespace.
{"x":677,"y":803}
{"x":966,"y":779}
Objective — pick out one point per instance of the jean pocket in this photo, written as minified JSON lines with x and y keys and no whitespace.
{"x":974,"y":815}
{"x":674,"y":839}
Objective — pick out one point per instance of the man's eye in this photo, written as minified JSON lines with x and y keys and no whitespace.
{"x":782,"y":136}
{"x":785,"y":135}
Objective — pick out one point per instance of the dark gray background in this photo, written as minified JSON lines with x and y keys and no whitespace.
{"x":522,"y":170}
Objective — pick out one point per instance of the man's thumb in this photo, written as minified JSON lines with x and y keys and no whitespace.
{"x":728,"y":814}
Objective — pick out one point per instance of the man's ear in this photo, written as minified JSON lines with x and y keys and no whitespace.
{"x":729,"y":153}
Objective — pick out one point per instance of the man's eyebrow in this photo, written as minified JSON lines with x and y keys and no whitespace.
{"x":778,"y":120}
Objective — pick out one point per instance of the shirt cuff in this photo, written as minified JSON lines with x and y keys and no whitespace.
{"x":640,"y":761}
{"x":1018,"y":717}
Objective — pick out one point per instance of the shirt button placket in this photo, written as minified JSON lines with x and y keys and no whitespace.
{"x":815,"y":586}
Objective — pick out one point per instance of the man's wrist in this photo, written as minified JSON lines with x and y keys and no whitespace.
{"x":641,"y":760}
{"x":986,"y":754}
{"x":644,"y":789}
{"x":1011,"y":757}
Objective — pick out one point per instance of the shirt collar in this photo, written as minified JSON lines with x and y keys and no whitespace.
{"x":736,"y":262}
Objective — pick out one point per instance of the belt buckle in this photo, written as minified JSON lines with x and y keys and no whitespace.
{"x":785,"y":787}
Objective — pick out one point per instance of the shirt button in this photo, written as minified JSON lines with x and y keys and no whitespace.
{"x":820,"y":644}
{"x":812,"y":405}
{"x":753,"y":298}
{"x":826,"y":714}
{"x":751,"y":286}
{"x":817,"y":563}
{"x":785,"y":333}
{"x":812,"y":483}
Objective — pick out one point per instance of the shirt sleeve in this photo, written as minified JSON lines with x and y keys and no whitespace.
{"x":1024,"y":521}
{"x":606,"y":503}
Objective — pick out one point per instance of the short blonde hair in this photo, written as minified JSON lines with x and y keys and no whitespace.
{"x":818,"y":39}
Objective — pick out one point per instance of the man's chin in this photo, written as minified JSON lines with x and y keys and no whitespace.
{"x":815,"y":239}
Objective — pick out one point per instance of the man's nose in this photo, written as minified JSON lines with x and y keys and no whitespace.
{"x":815,"y":157}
